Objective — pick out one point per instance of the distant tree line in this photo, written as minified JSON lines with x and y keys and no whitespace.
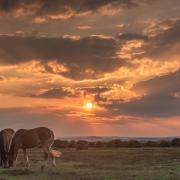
{"x":81,"y":144}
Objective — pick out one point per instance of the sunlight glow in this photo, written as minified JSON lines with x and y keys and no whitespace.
{"x":89,"y":105}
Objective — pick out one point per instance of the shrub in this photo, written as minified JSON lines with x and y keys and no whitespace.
{"x":82,"y":145}
{"x":164,"y":143}
{"x":60,"y":144}
{"x":175,"y":142}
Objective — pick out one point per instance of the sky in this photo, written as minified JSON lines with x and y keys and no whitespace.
{"x":91,"y":67}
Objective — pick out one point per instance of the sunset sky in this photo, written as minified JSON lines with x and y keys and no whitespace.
{"x":91,"y":67}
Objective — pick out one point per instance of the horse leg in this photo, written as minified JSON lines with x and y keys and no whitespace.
{"x":50,"y":152}
{"x":6,"y":161}
{"x":0,"y":161}
{"x":16,"y":161}
{"x":26,"y":159}
{"x":46,"y":157}
{"x":53,"y":159}
{"x":47,"y":154}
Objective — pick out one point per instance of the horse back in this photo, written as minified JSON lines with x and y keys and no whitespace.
{"x":36,"y":137}
{"x":45,"y":135}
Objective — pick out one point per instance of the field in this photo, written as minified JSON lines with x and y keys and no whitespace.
{"x":103,"y":164}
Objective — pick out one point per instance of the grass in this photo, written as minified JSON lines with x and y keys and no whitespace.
{"x":103,"y":164}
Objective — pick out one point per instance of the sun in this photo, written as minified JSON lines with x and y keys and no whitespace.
{"x":89,"y":105}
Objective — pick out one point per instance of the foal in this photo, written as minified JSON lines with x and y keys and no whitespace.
{"x":41,"y":137}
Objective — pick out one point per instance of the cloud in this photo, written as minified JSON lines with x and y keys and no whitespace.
{"x":168,"y":83}
{"x":99,"y":98}
{"x":159,"y":42}
{"x":82,"y":27}
{"x":153,"y":105}
{"x":89,"y":57}
{"x":132,"y":36}
{"x":156,"y":27}
{"x":165,"y":43}
{"x":61,"y":9}
{"x":62,"y":92}
{"x":159,"y":100}
{"x":95,"y":90}
{"x":84,"y":58}
{"x":54,"y":93}
{"x":1,"y":78}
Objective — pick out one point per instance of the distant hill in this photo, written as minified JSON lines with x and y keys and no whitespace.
{"x":109,"y":138}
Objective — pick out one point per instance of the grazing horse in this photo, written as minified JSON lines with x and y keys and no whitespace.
{"x":41,"y":137}
{"x":5,"y":141}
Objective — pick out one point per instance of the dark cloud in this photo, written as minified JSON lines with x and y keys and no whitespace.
{"x":153,"y":105}
{"x":162,"y":42}
{"x":84,"y":58}
{"x":88,"y":57}
{"x":159,"y":101}
{"x":165,"y":41}
{"x":132,"y":36}
{"x":54,"y":93}
{"x":99,"y":98}
{"x":62,"y":8}
{"x":166,"y":84}
{"x":94,"y":90}
{"x":62,"y":92}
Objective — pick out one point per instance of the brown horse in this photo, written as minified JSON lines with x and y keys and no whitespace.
{"x":5,"y":141}
{"x":41,"y":137}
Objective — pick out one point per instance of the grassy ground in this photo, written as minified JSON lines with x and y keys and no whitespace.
{"x":104,"y":164}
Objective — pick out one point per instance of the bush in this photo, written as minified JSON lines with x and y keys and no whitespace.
{"x":72,"y":144}
{"x":92,"y":144}
{"x":175,"y":142}
{"x":134,"y":144}
{"x":82,"y":145}
{"x":60,"y":144}
{"x":100,"y":144}
{"x":115,"y":143}
{"x":150,"y":144}
{"x":164,"y":143}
